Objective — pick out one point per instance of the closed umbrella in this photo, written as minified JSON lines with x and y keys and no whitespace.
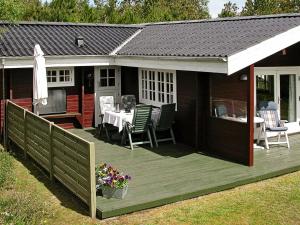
{"x":40,"y":88}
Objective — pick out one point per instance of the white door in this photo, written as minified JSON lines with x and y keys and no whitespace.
{"x":281,"y":85}
{"x":288,"y":98}
{"x":107,"y":83}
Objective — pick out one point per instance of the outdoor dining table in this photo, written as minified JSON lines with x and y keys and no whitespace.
{"x":118,"y":119}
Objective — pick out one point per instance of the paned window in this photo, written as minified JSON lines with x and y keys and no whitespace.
{"x":60,"y":77}
{"x":157,"y":87}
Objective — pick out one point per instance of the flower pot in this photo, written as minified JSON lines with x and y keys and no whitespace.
{"x":109,"y":192}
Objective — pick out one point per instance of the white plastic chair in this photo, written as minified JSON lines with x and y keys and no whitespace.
{"x":106,"y":104}
{"x":273,"y":124}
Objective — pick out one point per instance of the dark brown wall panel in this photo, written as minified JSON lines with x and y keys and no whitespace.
{"x":130,"y":81}
{"x":228,"y":139}
{"x":185,"y":121}
{"x":228,"y":87}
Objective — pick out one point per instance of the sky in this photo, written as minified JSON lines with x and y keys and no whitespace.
{"x":215,"y":6}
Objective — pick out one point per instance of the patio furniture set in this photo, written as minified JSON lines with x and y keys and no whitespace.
{"x":268,"y":120}
{"x":132,"y":119}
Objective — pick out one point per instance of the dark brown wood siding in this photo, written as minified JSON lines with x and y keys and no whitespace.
{"x":228,"y":139}
{"x":186,"y":107}
{"x":19,"y":88}
{"x":130,"y":81}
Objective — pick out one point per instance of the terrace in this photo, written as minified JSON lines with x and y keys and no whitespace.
{"x":172,"y":173}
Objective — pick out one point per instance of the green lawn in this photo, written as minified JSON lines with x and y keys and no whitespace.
{"x":275,"y":201}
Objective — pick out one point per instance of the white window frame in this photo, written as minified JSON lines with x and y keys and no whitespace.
{"x":155,"y":99}
{"x":61,"y":83}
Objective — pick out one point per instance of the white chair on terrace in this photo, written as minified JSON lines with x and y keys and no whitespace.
{"x":272,"y":124}
{"x":106,"y":104}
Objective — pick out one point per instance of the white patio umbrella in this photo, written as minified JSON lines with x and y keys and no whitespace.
{"x":40,"y":88}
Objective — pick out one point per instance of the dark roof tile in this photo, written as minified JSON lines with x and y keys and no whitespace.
{"x":208,"y":38}
{"x":59,"y":38}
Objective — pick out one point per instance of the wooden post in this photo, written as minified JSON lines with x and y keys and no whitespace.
{"x":82,"y":99}
{"x":10,"y":88}
{"x":197,"y":112}
{"x":25,"y":134}
{"x":51,"y":151}
{"x":92,"y":181}
{"x":250,"y":115}
{"x":5,"y":126}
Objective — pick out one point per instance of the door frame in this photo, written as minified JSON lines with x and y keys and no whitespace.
{"x":276,"y":71}
{"x":105,"y":90}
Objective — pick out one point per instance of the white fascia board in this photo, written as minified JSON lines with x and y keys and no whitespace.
{"x":213,"y":65}
{"x":58,"y":61}
{"x":262,"y":50}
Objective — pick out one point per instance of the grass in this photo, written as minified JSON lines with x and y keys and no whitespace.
{"x":274,"y":201}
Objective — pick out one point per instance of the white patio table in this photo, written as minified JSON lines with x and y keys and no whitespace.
{"x":118,"y":119}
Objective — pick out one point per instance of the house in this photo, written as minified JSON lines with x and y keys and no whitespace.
{"x":234,"y":62}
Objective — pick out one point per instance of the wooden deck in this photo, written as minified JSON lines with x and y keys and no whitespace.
{"x":176,"y":172}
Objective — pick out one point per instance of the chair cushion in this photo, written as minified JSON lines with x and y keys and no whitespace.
{"x":276,"y":129}
{"x":271,"y":118}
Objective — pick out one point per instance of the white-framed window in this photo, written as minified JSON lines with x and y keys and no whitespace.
{"x":60,"y":77}
{"x":157,"y":87}
{"x":107,"y":77}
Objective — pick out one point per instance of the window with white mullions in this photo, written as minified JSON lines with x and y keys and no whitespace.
{"x":157,"y":87}
{"x":107,"y":78}
{"x":60,"y":77}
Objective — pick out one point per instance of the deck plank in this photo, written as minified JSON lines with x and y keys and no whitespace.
{"x":176,"y":172}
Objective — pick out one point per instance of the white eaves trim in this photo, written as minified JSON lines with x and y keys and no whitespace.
{"x":114,"y":52}
{"x":213,"y":65}
{"x":262,"y":50}
{"x":58,"y":61}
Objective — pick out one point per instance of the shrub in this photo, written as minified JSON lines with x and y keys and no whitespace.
{"x":6,"y":169}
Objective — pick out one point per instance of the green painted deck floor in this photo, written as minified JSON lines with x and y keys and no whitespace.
{"x":176,"y":172}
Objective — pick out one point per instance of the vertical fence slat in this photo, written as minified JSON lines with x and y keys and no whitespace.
{"x":51,"y":152}
{"x":25,"y":136}
{"x":92,"y":181}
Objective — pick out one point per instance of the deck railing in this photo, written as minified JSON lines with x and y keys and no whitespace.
{"x":67,"y":157}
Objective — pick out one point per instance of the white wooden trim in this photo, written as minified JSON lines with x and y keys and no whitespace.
{"x":60,"y":83}
{"x":59,"y":61}
{"x":282,"y":70}
{"x":214,"y":65}
{"x":156,"y":102}
{"x":262,"y":50}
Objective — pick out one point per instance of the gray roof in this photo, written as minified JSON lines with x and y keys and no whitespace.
{"x":208,"y":38}
{"x":202,"y":38}
{"x":59,"y":38}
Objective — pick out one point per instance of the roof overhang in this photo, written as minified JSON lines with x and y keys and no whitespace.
{"x":199,"y":64}
{"x":58,"y":61}
{"x":262,"y":50}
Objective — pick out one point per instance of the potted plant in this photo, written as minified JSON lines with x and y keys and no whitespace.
{"x":111,"y":182}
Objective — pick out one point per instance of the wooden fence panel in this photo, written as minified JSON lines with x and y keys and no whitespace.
{"x":74,"y":165}
{"x":38,"y":139}
{"x":16,"y":124}
{"x":68,"y":158}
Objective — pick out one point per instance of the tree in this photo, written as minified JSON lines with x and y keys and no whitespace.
{"x":11,"y":10}
{"x":230,"y":10}
{"x":265,"y":7}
